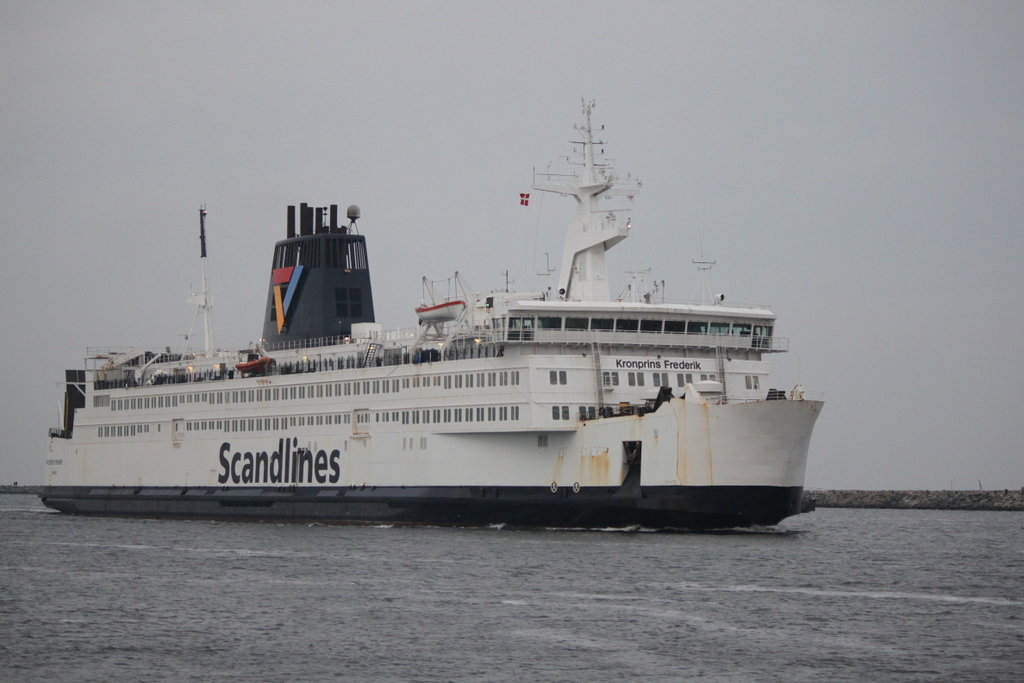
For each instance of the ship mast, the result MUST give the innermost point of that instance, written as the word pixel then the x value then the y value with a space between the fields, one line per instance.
pixel 202 299
pixel 583 275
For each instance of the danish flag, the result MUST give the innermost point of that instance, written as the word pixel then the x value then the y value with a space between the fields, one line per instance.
pixel 524 198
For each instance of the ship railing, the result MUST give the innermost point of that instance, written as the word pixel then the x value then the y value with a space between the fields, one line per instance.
pixel 316 343
pixel 731 304
pixel 398 334
pixel 791 395
pixel 670 339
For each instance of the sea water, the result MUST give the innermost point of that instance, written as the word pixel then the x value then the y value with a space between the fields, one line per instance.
pixel 835 595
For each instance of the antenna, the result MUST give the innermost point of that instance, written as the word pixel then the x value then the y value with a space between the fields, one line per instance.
pixel 703 267
pixel 547 268
pixel 636 290
pixel 201 299
pixel 507 281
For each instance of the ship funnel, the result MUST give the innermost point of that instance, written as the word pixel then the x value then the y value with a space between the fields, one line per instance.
pixel 320 279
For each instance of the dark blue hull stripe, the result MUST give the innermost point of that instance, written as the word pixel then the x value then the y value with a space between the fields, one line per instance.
pixel 658 507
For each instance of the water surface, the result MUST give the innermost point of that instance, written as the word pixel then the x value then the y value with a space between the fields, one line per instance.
pixel 836 595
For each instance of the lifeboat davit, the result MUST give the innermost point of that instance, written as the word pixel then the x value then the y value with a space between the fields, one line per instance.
pixel 449 310
pixel 256 367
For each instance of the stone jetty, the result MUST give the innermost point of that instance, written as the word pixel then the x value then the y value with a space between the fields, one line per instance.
pixel 1012 499
pixel 21 489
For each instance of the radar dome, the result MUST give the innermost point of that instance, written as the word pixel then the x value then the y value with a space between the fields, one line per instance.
pixel 353 213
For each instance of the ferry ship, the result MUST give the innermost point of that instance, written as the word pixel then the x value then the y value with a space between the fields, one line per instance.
pixel 565 408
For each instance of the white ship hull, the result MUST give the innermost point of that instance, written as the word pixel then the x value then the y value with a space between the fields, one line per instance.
pixel 694 457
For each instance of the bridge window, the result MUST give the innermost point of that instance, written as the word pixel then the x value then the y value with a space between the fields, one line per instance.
pixel 601 323
pixel 762 336
pixel 627 325
pixel 741 329
pixel 676 327
pixel 696 327
pixel 719 328
pixel 576 323
pixel 650 326
pixel 520 328
pixel 549 323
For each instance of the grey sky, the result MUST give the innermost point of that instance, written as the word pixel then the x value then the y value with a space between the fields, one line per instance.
pixel 858 166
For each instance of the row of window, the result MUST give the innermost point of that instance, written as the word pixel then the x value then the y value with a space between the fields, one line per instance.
pixel 266 424
pixel 658 379
pixel 562 412
pixel 479 414
pixel 113 431
pixel 523 324
pixel 440 415
pixel 385 386
pixel 481 379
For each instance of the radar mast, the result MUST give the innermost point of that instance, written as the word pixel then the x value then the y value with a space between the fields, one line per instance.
pixel 583 276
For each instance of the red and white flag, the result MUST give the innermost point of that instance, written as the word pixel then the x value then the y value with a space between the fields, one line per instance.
pixel 524 198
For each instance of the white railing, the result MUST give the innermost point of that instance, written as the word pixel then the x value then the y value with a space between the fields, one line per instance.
pixel 613 338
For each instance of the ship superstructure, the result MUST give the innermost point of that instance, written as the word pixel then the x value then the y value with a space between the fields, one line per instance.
pixel 566 408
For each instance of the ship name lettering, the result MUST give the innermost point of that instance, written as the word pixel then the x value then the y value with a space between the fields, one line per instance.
pixel 289 464
pixel 660 364
pixel 682 365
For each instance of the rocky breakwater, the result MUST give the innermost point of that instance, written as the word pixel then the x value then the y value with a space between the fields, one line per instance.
pixel 921 500
pixel 21 489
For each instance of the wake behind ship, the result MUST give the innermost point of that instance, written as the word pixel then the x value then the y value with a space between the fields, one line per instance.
pixel 562 408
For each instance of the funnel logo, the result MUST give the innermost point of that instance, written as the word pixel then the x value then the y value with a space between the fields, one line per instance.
pixel 286 283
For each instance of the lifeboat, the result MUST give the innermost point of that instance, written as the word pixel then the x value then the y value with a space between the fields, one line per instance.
pixel 255 367
pixel 449 310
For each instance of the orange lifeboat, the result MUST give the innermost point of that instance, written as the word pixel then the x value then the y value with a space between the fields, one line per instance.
pixel 256 367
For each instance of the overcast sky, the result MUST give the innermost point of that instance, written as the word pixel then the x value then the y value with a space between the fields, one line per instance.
pixel 857 166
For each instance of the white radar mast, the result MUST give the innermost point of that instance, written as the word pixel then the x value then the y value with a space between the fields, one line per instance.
pixel 583 276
